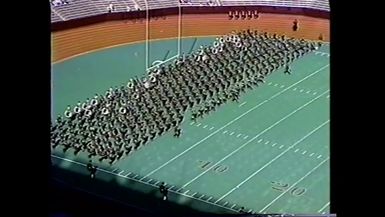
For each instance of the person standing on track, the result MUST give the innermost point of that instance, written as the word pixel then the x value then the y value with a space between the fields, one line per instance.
pixel 163 190
pixel 92 169
pixel 295 25
pixel 242 210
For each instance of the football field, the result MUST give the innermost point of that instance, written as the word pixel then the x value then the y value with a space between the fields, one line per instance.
pixel 268 153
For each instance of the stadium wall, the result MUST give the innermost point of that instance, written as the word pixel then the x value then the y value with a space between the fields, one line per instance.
pixel 76 37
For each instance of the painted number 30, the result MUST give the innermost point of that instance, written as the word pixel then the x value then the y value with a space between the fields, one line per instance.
pixel 296 191
pixel 207 164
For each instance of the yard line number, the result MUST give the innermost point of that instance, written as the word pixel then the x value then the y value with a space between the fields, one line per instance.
pixel 280 186
pixel 204 164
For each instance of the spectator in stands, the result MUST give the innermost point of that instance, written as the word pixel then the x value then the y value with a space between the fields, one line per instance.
pixel 56 2
pixel 59 2
pixel 136 6
pixel 126 15
pixel 210 3
pixel 110 7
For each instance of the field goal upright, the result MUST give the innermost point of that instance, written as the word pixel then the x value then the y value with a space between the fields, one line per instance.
pixel 163 24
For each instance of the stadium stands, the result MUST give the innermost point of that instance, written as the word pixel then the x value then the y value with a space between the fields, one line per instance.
pixel 119 6
pixel 199 3
pixel 313 4
pixel 55 17
pixel 162 4
pixel 84 8
pixel 79 9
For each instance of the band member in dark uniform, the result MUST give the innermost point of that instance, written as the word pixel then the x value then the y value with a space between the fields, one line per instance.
pixel 295 25
pixel 287 69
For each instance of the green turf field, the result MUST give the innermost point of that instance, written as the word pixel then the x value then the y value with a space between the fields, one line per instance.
pixel 268 153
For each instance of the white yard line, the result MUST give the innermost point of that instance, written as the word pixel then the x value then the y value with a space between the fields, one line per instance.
pixel 306 175
pixel 326 205
pixel 272 160
pixel 255 137
pixel 242 104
